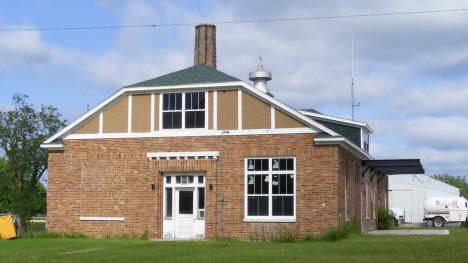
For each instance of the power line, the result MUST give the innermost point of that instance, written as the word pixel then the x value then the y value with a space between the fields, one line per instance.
pixel 266 20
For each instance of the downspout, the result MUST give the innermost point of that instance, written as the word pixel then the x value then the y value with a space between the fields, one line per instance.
pixel 221 200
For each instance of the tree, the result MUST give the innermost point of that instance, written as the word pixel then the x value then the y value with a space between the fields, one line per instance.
pixel 6 184
pixel 22 130
pixel 457 181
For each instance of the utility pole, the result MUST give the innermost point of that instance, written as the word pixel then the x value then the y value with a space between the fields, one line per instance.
pixel 353 103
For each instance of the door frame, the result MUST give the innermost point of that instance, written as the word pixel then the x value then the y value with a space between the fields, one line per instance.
pixel 169 223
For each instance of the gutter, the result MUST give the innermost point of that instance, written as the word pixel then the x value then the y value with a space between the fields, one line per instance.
pixel 57 146
pixel 346 144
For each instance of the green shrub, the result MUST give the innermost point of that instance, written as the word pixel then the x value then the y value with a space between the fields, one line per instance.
pixel 385 219
pixel 343 232
pixel 74 235
pixel 283 237
pixel 144 235
pixel 281 234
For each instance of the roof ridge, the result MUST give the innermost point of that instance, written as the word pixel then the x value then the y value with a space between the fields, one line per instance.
pixel 200 73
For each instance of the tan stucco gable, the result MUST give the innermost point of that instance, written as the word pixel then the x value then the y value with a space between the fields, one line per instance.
pixel 115 118
pixel 256 114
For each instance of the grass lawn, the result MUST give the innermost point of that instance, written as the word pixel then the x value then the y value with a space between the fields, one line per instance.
pixel 452 248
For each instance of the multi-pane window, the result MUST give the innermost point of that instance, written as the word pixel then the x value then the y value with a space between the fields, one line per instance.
pixel 172 111
pixel 183 110
pixel 195 110
pixel 201 202
pixel 270 190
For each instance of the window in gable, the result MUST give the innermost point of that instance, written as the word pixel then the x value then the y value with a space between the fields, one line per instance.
pixel 172 111
pixel 191 115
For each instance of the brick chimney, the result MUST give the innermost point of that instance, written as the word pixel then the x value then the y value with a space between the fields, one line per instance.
pixel 205 45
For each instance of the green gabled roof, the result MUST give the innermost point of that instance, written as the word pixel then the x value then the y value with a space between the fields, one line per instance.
pixel 200 73
pixel 353 134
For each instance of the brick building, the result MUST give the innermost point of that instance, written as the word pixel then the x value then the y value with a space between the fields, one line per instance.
pixel 200 154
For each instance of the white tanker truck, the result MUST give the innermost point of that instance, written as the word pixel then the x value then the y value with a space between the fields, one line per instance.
pixel 442 210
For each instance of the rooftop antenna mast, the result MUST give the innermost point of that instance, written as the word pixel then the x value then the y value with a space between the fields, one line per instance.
pixel 353 103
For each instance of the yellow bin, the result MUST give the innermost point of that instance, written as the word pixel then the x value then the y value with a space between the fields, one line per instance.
pixel 7 228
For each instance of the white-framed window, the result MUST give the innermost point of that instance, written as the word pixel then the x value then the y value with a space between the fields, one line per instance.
pixel 184 110
pixel 270 189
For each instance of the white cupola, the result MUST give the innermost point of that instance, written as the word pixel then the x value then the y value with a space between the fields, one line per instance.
pixel 260 78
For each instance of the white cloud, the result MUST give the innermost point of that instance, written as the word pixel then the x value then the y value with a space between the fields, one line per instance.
pixel 131 59
pixel 442 99
pixel 437 132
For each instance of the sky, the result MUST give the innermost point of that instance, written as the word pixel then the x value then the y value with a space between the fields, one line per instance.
pixel 410 71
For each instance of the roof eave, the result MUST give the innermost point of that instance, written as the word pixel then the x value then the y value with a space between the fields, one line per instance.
pixel 125 90
pixel 346 144
pixel 357 124
pixel 293 113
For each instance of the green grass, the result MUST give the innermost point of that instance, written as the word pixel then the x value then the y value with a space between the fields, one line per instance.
pixel 35 228
pixel 452 248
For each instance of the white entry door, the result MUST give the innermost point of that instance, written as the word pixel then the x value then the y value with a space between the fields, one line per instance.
pixel 185 213
pixel 184 206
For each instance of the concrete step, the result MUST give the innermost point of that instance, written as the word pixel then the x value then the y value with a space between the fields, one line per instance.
pixel 417 232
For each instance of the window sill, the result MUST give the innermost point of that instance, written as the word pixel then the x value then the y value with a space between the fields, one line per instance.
pixel 183 129
pixel 271 220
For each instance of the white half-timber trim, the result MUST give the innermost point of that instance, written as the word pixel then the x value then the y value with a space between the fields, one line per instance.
pixel 101 122
pixel 345 143
pixel 152 112
pixel 160 110
pixel 272 117
pixel 270 220
pixel 207 109
pixel 182 155
pixel 204 86
pixel 215 110
pixel 188 133
pixel 94 218
pixel 239 109
pixel 130 113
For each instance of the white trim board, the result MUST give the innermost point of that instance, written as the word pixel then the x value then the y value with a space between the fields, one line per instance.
pixel 188 133
pixel 95 218
pixel 202 86
pixel 129 118
pixel 183 155
pixel 345 143
pixel 239 109
pixel 152 112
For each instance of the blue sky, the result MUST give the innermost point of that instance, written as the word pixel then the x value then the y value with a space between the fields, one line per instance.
pixel 411 71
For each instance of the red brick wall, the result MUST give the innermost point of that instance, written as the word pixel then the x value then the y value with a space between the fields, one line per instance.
pixel 350 166
pixel 113 177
